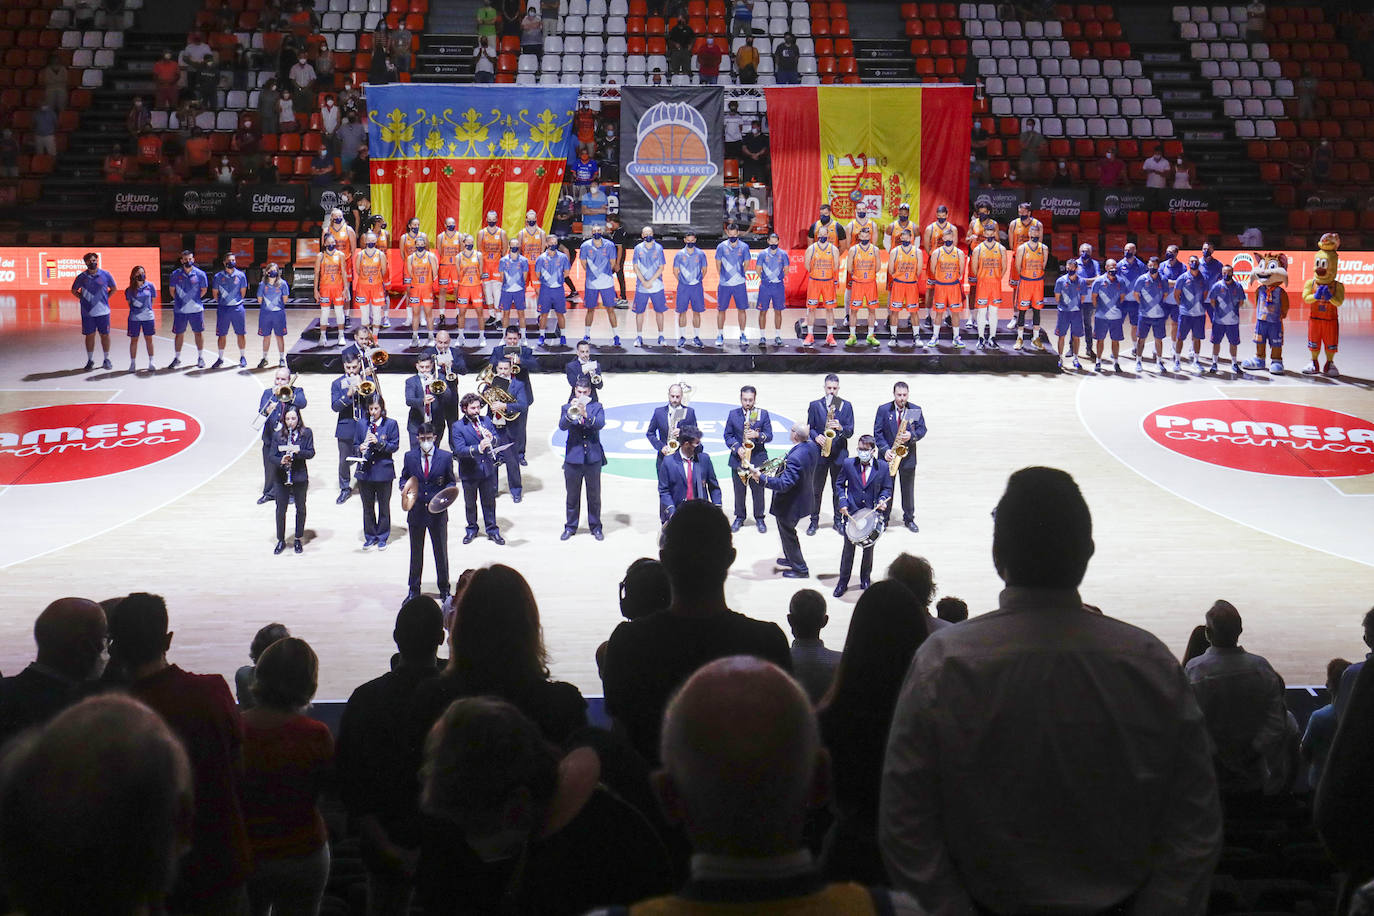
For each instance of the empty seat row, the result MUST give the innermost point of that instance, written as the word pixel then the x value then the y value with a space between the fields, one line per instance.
pixel 1253 108
pixel 638 79
pixel 1209 31
pixel 1257 88
pixel 1050 65
pixel 1244 69
pixel 1068 106
pixel 93 39
pixel 1055 126
pixel 1215 14
pixel 354 6
pixel 977 28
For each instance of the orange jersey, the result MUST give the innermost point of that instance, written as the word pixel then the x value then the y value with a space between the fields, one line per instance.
pixel 989 263
pixel 1030 261
pixel 383 239
pixel 469 270
pixel 935 234
pixel 896 227
pixel 906 265
pixel 975 229
pixel 863 264
pixel 1018 233
pixel 447 247
pixel 531 243
pixel 824 262
pixel 329 270
pixel 853 231
pixel 408 243
pixel 371 267
pixel 421 269
pixel 492 246
pixel 947 266
pixel 342 238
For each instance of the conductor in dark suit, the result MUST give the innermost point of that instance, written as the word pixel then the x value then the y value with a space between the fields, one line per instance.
pixel 885 426
pixel 581 365
pixel 792 499
pixel 583 459
pixel 376 439
pixel 521 358
pixel 829 466
pixel 686 474
pixel 738 430
pixel 865 483
pixel 476 440
pixel 432 467
pixel 660 424
pixel 345 402
pixel 292 445
pixel 425 406
pixel 270 407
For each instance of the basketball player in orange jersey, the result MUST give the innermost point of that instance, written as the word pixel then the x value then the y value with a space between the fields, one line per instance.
pixel 421 276
pixel 331 287
pixel 1028 285
pixel 531 239
pixel 822 270
pixel 892 235
pixel 447 247
pixel 344 237
pixel 905 279
pixel 492 244
pixel 369 282
pixel 861 272
pixel 1019 229
pixel 988 265
pixel 946 267
pixel 933 236
pixel 469 287
pixel 408 242
pixel 982 213
pixel 379 230
pixel 856 225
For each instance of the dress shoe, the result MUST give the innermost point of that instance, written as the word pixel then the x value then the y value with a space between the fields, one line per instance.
pixel 567 533
pixel 297 546
pixel 469 537
pixel 737 524
pixel 523 462
pixel 761 525
pixel 598 535
pixel 840 590
pixel 281 545
pixel 495 538
pixel 783 561
pixel 411 596
pixel 343 497
pixel 790 573
pixel 913 527
pixel 264 498
pixel 811 528
pixel 516 497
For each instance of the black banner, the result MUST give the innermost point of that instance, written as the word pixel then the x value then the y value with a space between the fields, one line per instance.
pixel 1003 201
pixel 672 157
pixel 137 200
pixel 1065 202
pixel 206 200
pixel 272 201
pixel 1116 203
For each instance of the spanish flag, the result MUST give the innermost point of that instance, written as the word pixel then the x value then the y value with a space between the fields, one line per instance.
pixel 440 151
pixel 878 146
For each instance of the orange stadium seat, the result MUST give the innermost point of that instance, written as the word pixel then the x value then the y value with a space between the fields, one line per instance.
pixel 914 28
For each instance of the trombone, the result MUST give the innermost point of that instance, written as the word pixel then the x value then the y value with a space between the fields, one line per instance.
pixel 286 394
pixel 377 357
pixel 437 387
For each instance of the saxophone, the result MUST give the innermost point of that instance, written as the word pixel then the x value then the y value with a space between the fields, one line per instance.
pixel 899 450
pixel 829 433
pixel 746 465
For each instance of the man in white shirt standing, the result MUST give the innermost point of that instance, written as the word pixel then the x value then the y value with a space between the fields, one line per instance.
pixel 1046 758
pixel 1157 170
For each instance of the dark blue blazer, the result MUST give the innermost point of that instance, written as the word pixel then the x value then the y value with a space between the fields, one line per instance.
pixel 440 476
pixel 474 465
pixel 794 487
pixel 815 421
pixel 885 430
pixel 381 467
pixel 659 429
pixel 672 481
pixel 459 363
pixel 734 437
pixel 574 369
pixel 523 373
pixel 415 400
pixel 343 405
pixel 273 420
pixel 584 436
pixel 298 470
pixel 854 495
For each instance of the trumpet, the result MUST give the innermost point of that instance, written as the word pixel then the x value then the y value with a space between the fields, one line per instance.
pixel 592 371
pixel 577 410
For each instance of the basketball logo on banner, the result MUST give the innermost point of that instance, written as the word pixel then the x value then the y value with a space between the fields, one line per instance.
pixel 672 161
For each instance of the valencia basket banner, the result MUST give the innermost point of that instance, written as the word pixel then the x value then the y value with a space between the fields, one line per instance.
pixel 876 145
pixel 672 150
pixel 437 151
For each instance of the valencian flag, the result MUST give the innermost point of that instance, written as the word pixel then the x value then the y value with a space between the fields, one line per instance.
pixel 439 151
pixel 879 145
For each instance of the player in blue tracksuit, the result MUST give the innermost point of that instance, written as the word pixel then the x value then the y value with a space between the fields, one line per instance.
pixel 1109 314
pixel 1152 294
pixel 230 288
pixel 552 268
pixel 1224 301
pixel 689 267
pixel 1068 307
pixel 649 262
pixel 1171 268
pixel 732 257
pixel 772 264
pixel 272 293
pixel 189 285
pixel 1129 268
pixel 1089 269
pixel 515 273
pixel 93 287
pixel 1190 291
pixel 141 297
pixel 598 260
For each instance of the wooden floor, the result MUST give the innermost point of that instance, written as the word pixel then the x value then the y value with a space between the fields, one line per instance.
pixel 188 528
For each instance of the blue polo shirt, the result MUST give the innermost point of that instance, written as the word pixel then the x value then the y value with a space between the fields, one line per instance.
pixel 94 292
pixel 731 257
pixel 1068 293
pixel 690 265
pixel 552 267
pixel 186 290
pixel 1153 293
pixel 271 297
pixel 230 288
pixel 1227 298
pixel 515 270
pixel 649 257
pixel 141 302
pixel 772 263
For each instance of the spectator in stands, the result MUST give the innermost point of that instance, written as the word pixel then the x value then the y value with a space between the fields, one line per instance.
pixel 512 12
pixel 9 154
pixel 70 633
pixel 93 812
pixel 286 113
pixel 401 41
pixel 197 154
pixel 487 18
pixel 594 203
pixel 1197 644
pixel 1348 678
pixel 1062 177
pixel 980 812
pixel 585 171
pixel 742 19
pixel 532 32
pixel 978 140
pixel 352 135
pixel 324 65
pixel 1157 170
pixel 643 591
pixel 302 77
pixel 329 119
pixel 1321 725
pixel 1185 175
pixel 951 609
pixel 1012 180
pixel 1254 20
pixel 813 665
pixel 656 77
pixel 977 174
pixel 45 131
pixel 1322 157
pixel 584 124
pixel 204 79
pixel 747 63
pixel 648 658
pixel 680 41
pixel 918 576
pixel 733 130
pixel 549 11
pixel 360 162
pixel 484 61
pixel 375 784
pixel 756 166
pixel 243 677
pixel 247 143
pixel 608 147
pixel 709 57
pixel 1307 93
pixel 383 69
pixel 269 120
pixel 149 151
pixel 1032 145
pixel 517 825
pixel 201 712
pixel 286 758
pixel 786 58
pixel 322 168
pixel 53 79
pixel 195 50
pixel 1253 736
pixel 138 117
pixel 83 14
pixel 116 165
pixel 1344 806
pixel 1111 171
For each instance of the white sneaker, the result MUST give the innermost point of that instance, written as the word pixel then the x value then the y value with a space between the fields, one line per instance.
pixel 1139 367
pixel 133 365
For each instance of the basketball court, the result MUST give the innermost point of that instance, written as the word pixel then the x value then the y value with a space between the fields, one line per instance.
pixel 1260 491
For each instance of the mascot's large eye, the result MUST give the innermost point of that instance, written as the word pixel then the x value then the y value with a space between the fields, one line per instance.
pixel 1271 263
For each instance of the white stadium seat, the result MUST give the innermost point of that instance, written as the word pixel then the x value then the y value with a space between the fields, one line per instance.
pixel 1066 106
pixel 593 44
pixel 1001 107
pixel 572 44
pixel 596 7
pixel 553 44
pixel 526 79
pixel 1130 108
pixel 1049 67
pixel 1108 108
pixel 1059 87
pixel 1044 105
pixel 1076 127
pixel 1026 66
pixel 593 25
pixel 1090 67
pixel 1034 29
pixel 1087 107
pixel 1011 29
pixel 1035 85
pixel 572 25
pixel 979 48
pixel 577 7
pixel 82 58
pixel 992 29
pixel 615 63
pixel 527 63
pixel 1052 127
pixel 1181 14
pixel 1266 129
pixel 973 29
pixel 1189 31
pixel 615 44
pixel 1016 86
pixel 1233 108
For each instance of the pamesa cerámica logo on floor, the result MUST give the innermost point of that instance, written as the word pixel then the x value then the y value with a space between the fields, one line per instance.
pixel 629 454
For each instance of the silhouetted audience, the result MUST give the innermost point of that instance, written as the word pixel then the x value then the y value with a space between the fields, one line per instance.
pixel 813 665
pixel 1353 672
pixel 70 634
pixel 243 677
pixel 1321 726
pixel 919 578
pixel 951 609
pixel 1344 806
pixel 643 591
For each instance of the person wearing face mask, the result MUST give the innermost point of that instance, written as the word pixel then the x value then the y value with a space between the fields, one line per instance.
pixel 421 272
pixel 407 243
pixel 92 287
pixel 1190 290
pixel 331 290
pixel 648 261
pixel 888 433
pixel 141 297
pixel 864 484
pixel 905 288
pixel 1019 229
pixel 376 438
pixel 432 469
pixel 224 172
pixel 732 257
pixel 1089 269
pixel 689 267
pixel 1209 266
pixel 822 271
pixel 531 239
pixel 230 289
pixel 468 295
pixel 1108 296
pixel 828 223
pixel 552 268
pixel 345 239
pixel 272 293
pixel 291 447
pixel 688 474
pixel 772 264
pixel 1225 299
pixel 189 285
pixel 447 247
pixel 947 268
pixel 1068 307
pixel 982 214
pixel 1152 293
pixel 861 284
pixel 1028 285
pixel 1172 270
pixel 892 234
pixel 1183 175
pixel 272 408
pixel 492 243
pixel 989 265
pixel 515 272
pixel 369 282
pixel 598 261
pixel 1130 269
pixel 861 221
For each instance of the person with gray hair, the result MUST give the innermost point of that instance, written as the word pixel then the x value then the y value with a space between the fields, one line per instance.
pixel 95 811
pixel 70 634
pixel 793 496
pixel 1043 758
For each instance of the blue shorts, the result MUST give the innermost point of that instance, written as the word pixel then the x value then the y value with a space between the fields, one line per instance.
pixel 642 300
pixel 271 322
pixel 691 296
pixel 1173 312
pixel 1070 323
pixel 512 300
pixel 774 294
pixel 1155 326
pixel 180 321
pixel 98 324
pixel 552 297
pixel 1104 326
pixel 147 328
pixel 1132 311
pixel 1227 332
pixel 727 294
pixel 1196 325
pixel 590 297
pixel 1270 332
pixel 224 318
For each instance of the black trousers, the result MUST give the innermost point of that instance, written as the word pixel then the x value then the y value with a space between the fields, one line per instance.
pixel 574 476
pixel 906 484
pixel 791 544
pixel 485 490
pixel 847 562
pixel 281 491
pixel 420 520
pixel 755 490
pixel 823 470
pixel 376 496
pixel 345 469
pixel 515 481
pixel 270 464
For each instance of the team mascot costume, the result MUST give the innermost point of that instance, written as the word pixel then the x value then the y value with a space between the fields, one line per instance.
pixel 1324 294
pixel 1271 307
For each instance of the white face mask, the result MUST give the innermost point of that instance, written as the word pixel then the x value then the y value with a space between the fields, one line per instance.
pixel 427 447
pixel 865 457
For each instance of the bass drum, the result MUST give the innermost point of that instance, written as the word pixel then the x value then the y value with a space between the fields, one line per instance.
pixel 863 527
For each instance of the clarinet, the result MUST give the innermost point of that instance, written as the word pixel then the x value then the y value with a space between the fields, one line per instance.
pixel 290 441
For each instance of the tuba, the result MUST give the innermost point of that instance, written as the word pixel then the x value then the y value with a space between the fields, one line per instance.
pixel 495 397
pixel 829 433
pixel 899 451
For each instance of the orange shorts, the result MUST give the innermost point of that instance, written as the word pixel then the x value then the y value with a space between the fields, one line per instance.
pixel 1323 332
pixel 863 292
pixel 420 295
pixel 988 293
pixel 820 291
pixel 1030 294
pixel 904 295
pixel 448 275
pixel 331 294
pixel 470 294
pixel 947 296
pixel 364 294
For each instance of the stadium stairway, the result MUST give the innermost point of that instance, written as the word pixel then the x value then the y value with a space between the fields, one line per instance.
pixel 453 17
pixel 874 20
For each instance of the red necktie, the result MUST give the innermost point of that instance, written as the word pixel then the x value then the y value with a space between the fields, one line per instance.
pixel 863 476
pixel 426 467
pixel 687 463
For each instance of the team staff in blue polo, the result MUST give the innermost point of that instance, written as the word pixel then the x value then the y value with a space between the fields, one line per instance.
pixel 772 264
pixel 230 289
pixel 189 285
pixel 732 257
pixel 272 293
pixel 141 297
pixel 93 287
pixel 649 261
pixel 689 267
pixel 552 269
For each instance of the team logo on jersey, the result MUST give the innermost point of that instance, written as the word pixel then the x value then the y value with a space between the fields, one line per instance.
pixel 630 454
pixel 67 442
pixel 672 159
pixel 1266 437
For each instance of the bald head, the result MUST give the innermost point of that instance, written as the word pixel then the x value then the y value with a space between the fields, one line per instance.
pixel 70 634
pixel 742 759
pixel 800 433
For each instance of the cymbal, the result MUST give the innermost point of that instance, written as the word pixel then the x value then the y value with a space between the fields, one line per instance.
pixel 443 499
